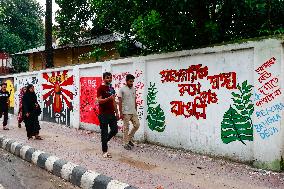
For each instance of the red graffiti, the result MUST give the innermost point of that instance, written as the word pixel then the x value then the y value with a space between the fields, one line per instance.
pixel 270 97
pixel 89 108
pixel 190 89
pixel 191 74
pixel 268 87
pixel 56 83
pixel 227 80
pixel 208 97
pixel 267 64
pixel 202 99
pixel 189 109
pixel 264 76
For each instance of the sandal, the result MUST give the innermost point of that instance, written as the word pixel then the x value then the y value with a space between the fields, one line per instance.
pixel 107 155
pixel 38 138
pixel 5 128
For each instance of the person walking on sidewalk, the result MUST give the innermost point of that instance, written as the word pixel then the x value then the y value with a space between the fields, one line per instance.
pixel 128 111
pixel 31 111
pixel 20 113
pixel 108 114
pixel 4 104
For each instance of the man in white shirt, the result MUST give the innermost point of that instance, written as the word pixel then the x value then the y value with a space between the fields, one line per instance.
pixel 128 111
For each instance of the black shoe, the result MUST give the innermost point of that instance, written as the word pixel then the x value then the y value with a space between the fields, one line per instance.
pixel 127 147
pixel 131 143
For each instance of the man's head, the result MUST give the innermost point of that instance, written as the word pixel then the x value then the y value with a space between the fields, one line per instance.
pixel 129 80
pixel 4 87
pixel 107 77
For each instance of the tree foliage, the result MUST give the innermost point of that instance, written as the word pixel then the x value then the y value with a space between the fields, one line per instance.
pixel 168 25
pixel 21 27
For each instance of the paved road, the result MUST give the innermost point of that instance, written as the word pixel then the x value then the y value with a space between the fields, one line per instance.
pixel 18 174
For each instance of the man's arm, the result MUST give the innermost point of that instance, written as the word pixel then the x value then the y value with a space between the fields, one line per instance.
pixel 8 101
pixel 102 101
pixel 115 108
pixel 135 103
pixel 120 107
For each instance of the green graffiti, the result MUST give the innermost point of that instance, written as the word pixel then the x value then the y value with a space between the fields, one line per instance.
pixel 156 116
pixel 237 124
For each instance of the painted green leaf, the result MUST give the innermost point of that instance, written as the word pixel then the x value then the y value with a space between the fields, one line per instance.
pixel 230 131
pixel 244 84
pixel 237 124
pixel 240 107
pixel 156 116
pixel 251 111
pixel 236 95
pixel 239 87
pixel 237 101
pixel 246 97
pixel 250 106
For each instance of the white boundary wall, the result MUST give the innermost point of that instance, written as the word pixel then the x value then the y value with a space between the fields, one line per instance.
pixel 178 118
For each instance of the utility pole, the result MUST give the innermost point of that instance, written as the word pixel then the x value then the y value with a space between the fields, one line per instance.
pixel 48 35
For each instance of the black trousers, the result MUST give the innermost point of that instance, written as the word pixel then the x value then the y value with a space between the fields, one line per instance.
pixel 107 120
pixel 5 120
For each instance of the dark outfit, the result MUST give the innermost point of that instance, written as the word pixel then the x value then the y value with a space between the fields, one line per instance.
pixel 107 116
pixel 4 97
pixel 29 106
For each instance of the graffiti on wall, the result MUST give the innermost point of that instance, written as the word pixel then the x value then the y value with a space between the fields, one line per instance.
pixel 21 82
pixel 24 81
pixel 155 114
pixel 119 81
pixel 193 88
pixel 267 93
pixel 58 96
pixel 11 90
pixel 237 123
pixel 269 84
pixel 89 108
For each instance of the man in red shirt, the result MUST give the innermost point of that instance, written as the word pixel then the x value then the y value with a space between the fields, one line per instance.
pixel 108 115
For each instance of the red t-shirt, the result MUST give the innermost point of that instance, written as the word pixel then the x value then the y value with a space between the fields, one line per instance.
pixel 106 91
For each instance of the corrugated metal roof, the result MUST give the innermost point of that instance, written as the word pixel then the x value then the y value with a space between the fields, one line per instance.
pixel 87 41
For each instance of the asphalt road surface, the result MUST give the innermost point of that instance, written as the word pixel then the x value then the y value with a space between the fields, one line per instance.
pixel 16 173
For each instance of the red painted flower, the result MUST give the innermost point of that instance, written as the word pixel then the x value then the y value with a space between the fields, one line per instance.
pixel 56 83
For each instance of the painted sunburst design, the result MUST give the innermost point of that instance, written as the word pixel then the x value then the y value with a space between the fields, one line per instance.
pixel 56 87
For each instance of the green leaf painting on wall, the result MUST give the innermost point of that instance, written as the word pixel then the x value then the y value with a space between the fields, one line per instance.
pixel 156 115
pixel 237 123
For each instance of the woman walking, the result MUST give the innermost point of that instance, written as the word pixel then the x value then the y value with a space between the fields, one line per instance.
pixel 20 114
pixel 31 111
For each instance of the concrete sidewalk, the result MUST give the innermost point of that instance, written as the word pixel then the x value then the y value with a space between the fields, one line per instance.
pixel 146 166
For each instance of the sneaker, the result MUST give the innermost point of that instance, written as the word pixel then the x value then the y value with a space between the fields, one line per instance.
pixel 131 143
pixel 127 147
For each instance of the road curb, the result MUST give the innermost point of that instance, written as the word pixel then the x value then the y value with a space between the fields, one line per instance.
pixel 77 175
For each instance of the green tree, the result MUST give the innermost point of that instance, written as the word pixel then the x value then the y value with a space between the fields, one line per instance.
pixel 21 28
pixel 169 25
